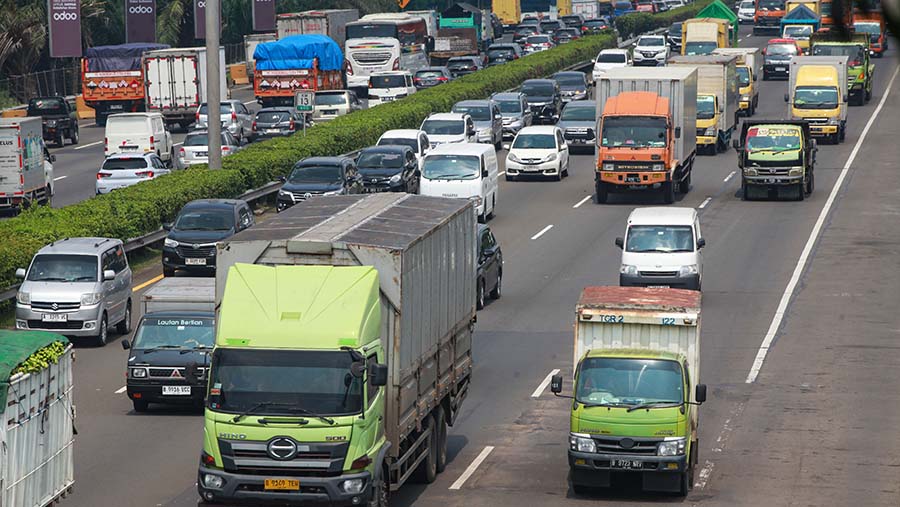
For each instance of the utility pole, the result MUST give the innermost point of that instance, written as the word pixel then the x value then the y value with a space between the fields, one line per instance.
pixel 213 91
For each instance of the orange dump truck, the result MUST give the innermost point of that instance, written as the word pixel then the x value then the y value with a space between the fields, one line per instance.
pixel 647 130
pixel 112 78
pixel 297 62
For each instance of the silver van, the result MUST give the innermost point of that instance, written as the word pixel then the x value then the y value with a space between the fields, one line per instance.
pixel 76 287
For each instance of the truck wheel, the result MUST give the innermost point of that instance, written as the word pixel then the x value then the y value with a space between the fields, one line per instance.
pixel 811 183
pixel 140 405
pixel 74 136
pixel 745 191
pixel 48 195
pixel 668 191
pixel 868 94
pixel 801 191
pixel 685 185
pixel 685 483
pixel 602 193
pixel 426 472
pixel 441 420
pixel 381 491
pixel 60 140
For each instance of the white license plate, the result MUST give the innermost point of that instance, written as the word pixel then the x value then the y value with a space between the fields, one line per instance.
pixel 176 390
pixel 272 131
pixel 387 99
pixel 128 148
pixel 201 154
pixel 626 464
pixel 54 317
pixel 780 69
pixel 195 262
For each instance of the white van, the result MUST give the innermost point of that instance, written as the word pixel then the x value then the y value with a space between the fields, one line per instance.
pixel 390 86
pixel 662 249
pixel 466 170
pixel 444 128
pixel 139 133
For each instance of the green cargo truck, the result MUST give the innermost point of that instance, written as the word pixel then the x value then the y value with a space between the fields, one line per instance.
pixel 343 350
pixel 637 367
pixel 860 69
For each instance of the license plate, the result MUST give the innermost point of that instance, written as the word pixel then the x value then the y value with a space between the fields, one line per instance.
pixel 195 262
pixel 387 99
pixel 54 317
pixel 202 154
pixel 626 464
pixel 282 484
pixel 115 107
pixel 329 111
pixel 176 390
pixel 657 286
pixel 128 148
pixel 273 131
pixel 632 178
pixel 780 69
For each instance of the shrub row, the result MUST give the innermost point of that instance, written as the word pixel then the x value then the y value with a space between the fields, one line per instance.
pixel 637 23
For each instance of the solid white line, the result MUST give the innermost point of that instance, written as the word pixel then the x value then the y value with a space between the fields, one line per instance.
pixel 121 390
pixel 501 173
pixel 59 178
pixel 729 177
pixel 813 237
pixel 472 467
pixel 582 201
pixel 83 146
pixel 704 203
pixel 542 231
pixel 544 383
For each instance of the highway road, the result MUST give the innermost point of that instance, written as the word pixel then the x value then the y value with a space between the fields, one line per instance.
pixel 804 416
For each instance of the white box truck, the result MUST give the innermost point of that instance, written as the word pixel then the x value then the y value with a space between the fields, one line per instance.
pixel 330 22
pixel 180 294
pixel 175 82
pixel 590 9
pixel 26 174
pixel 718 98
pixel 750 59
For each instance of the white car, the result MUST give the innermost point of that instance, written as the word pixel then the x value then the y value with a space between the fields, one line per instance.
pixel 651 50
pixel 121 170
pixel 662 248
pixel 610 59
pixel 415 139
pixel 389 86
pixel 539 150
pixel 444 128
pixel 463 171
pixel 746 11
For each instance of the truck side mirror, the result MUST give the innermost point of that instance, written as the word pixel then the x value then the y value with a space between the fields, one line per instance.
pixel 701 243
pixel 736 144
pixel 484 173
pixel 379 373
pixel 787 97
pixel 556 383
pixel 846 98
pixel 677 132
pixel 126 344
pixel 620 243
pixel 20 273
pixel 192 373
pixel 700 393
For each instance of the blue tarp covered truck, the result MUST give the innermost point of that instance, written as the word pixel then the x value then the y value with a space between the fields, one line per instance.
pixel 298 62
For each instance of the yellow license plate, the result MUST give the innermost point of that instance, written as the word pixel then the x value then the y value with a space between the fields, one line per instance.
pixel 282 484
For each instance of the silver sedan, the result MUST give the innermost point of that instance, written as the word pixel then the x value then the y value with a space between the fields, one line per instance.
pixel 195 148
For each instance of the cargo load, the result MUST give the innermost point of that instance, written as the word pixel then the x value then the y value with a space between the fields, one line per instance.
pixel 298 62
pixel 112 78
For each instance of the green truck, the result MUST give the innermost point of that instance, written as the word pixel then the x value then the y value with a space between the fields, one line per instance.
pixel 343 350
pixel 776 154
pixel 636 396
pixel 860 69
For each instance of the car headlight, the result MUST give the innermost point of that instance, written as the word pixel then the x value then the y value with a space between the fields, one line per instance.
pixel 674 447
pixel 658 167
pixel 352 486
pixel 690 269
pixel 628 269
pixel 550 158
pixel 395 178
pixel 23 298
pixel 582 443
pixel 282 193
pixel 91 298
pixel 710 131
pixel 513 158
pixel 139 373
pixel 484 131
pixel 333 192
pixel 171 243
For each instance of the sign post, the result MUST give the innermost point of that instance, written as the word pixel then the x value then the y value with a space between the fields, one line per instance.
pixel 304 100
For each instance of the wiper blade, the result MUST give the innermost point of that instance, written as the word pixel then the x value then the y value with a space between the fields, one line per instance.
pixel 323 418
pixel 290 408
pixel 651 404
pixel 163 347
pixel 610 404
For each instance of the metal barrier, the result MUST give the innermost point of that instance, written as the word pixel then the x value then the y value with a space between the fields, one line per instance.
pixel 19 89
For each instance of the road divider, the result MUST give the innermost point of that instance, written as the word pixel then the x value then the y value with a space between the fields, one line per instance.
pixel 472 467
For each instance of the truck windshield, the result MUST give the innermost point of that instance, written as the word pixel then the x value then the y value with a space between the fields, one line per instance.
pixel 63 268
pixel 175 333
pixel 659 238
pixel 451 167
pixel 743 75
pixel 706 107
pixel 772 140
pixel 629 381
pixel 363 31
pixel 316 381
pixel 634 132
pixel 700 48
pixel 771 5
pixel 856 53
pixel 815 97
pixel 799 32
pixel 869 28
pixel 611 58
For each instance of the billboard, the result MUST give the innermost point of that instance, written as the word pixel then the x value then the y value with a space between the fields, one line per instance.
pixel 64 18
pixel 199 19
pixel 263 15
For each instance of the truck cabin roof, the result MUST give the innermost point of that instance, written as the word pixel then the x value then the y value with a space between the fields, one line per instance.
pixel 636 104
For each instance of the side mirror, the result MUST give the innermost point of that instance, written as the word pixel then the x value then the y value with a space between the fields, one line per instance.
pixel 677 132
pixel 379 374
pixel 736 144
pixel 20 273
pixel 282 179
pixel 192 373
pixel 109 275
pixel 700 393
pixel 666 33
pixel 846 98
pixel 484 173
pixel 701 243
pixel 593 60
pixel 556 384
pixel 126 344
pixel 620 242
pixel 52 158
pixel 168 226
pixel 787 97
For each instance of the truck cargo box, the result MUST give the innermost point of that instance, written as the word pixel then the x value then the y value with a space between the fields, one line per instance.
pixel 175 82
pixel 22 172
pixel 180 294
pixel 716 74
pixel 328 22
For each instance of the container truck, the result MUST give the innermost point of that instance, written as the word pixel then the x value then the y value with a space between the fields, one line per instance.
pixel 768 16
pixel 24 178
pixel 509 12
pixel 775 154
pixel 589 9
pixel 861 69
pixel 637 388
pixel 465 16
pixel 717 99
pixel 175 83
pixel 37 467
pixel 817 93
pixel 112 78
pixel 250 42
pixel 701 36
pixel 749 68
pixel 188 294
pixel 298 62
pixel 648 130
pixel 343 350
pixel 328 22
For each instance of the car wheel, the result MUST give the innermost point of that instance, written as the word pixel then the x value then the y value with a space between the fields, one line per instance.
pixel 565 172
pixel 559 174
pixel 168 272
pixel 745 191
pixel 103 331
pixel 498 290
pixel 60 140
pixel 75 136
pixel 510 178
pixel 124 327
pixel 140 405
pixel 479 300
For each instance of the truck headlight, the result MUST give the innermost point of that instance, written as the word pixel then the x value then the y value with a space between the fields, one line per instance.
pixel 581 443
pixel 658 167
pixel 628 269
pixel 352 486
pixel 23 298
pixel 608 166
pixel 750 172
pixel 51 123
pixel 745 97
pixel 710 131
pixel 211 481
pixel 91 298
pixel 834 120
pixel 139 373
pixel 674 447
pixel 690 269
pixel 795 171
pixel 171 243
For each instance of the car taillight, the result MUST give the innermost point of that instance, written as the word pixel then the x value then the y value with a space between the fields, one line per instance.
pixel 233 116
pixel 443 79
pixel 225 149
pixel 100 176
pixel 181 152
pixel 144 174
pixel 151 141
pixel 291 125
pixel 253 125
pixel 417 79
pixel 396 64
pixel 197 116
pixel 105 144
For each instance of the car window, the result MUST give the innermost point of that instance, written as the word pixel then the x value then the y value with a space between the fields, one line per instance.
pixel 560 142
pixel 106 260
pixel 120 260
pixel 246 217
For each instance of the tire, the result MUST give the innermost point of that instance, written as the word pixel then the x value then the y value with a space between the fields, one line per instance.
pixel 510 178
pixel 426 472
pixel 601 192
pixel 479 296
pixel 140 405
pixel 48 195
pixel 685 185
pixel 685 483
pixel 168 272
pixel 843 133
pixel 75 136
pixel 124 327
pixel 811 183
pixel 103 331
pixel 868 94
pixel 565 172
pixel 498 290
pixel 580 490
pixel 559 175
pixel 441 426
pixel 801 191
pixel 745 191
pixel 668 191
pixel 60 140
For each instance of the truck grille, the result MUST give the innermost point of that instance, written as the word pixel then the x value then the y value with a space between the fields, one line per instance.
pixel 40 305
pixel 318 459
pixel 168 372
pixel 816 120
pixel 198 251
pixel 302 196
pixel 373 58
pixel 773 171
pixel 617 445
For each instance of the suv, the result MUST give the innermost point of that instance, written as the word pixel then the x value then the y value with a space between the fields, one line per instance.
pixel 121 170
pixel 76 287
pixel 333 103
pixel 235 117
pixel 464 65
pixel 486 116
pixel 514 110
pixel 431 76
pixel 544 99
pixel 388 86
pixel 651 50
pixel 191 241
pixel 389 168
pixel 58 119
pixel 316 177
pixel 490 267
pixel 502 53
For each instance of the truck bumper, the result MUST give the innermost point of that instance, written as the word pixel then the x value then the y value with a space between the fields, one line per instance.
pixel 771 180
pixel 823 130
pixel 151 391
pixel 250 489
pixel 707 140
pixel 691 282
pixel 633 180
pixel 659 473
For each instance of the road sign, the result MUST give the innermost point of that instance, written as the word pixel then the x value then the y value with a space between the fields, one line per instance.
pixel 304 100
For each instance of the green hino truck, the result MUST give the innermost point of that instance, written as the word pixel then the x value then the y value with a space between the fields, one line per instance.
pixel 636 396
pixel 343 350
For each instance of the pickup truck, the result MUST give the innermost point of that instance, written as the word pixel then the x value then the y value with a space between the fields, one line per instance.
pixel 58 119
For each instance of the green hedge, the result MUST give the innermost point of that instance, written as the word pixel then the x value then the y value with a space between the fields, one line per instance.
pixel 631 25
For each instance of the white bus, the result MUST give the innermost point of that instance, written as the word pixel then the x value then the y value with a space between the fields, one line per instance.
pixel 383 42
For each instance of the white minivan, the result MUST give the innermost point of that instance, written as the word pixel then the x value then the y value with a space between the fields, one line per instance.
pixel 662 248
pixel 389 86
pixel 139 133
pixel 445 128
pixel 467 171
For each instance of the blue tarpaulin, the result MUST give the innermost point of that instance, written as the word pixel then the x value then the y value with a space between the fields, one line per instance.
pixel 800 15
pixel 298 52
pixel 121 57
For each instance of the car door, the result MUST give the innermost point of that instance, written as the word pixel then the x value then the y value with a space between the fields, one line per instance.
pixel 697 236
pixel 123 278
pixel 245 117
pixel 411 173
pixel 527 116
pixel 159 166
pixel 110 295
pixel 563 149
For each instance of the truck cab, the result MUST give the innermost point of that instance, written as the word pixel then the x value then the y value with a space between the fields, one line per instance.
pixel 768 15
pixel 860 69
pixel 774 155
pixel 817 94
pixel 872 24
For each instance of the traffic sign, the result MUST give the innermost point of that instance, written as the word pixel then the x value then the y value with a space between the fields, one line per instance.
pixel 304 100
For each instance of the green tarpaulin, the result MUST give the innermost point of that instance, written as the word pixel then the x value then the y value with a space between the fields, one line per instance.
pixel 17 346
pixel 719 10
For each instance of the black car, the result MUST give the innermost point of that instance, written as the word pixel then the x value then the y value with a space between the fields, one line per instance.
pixel 463 65
pixel 275 122
pixel 777 58
pixel 502 53
pixel 389 168
pixel 191 242
pixel 490 267
pixel 551 25
pixel 564 35
pixel 57 117
pixel 319 176
pixel 524 32
pixel 575 21
pixel 573 85
pixel 593 26
pixel 544 99
pixel 431 76
pixel 673 37
pixel 169 358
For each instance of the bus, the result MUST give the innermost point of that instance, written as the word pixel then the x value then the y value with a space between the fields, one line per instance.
pixel 380 42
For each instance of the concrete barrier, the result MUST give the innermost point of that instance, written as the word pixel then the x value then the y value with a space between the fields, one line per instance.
pixel 82 110
pixel 13 113
pixel 238 73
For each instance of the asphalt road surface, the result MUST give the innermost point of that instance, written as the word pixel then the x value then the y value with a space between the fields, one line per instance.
pixel 813 428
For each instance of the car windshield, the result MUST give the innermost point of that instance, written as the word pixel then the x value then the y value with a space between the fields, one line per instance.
pixel 706 107
pixel 611 58
pixel 40 107
pixel 535 142
pixel 579 113
pixel 501 53
pixel 175 332
pixel 457 64
pixel 699 48
pixel 815 97
pixel 771 5
pixel 781 50
pixel 651 41
pixel 63 268
pixel 537 89
pixel 855 52
pixel 748 5
pixel 773 139
pixel 429 74
pixel 659 238
pixel 118 164
pixel 399 141
pixel 548 26
pixel 284 382
pixel 634 132
pixel 202 140
pixel 451 167
pixel 205 220
pixel 538 39
pixel 523 32
pixel 571 20
pixel 380 160
pixel 443 127
pixel 330 99
pixel 275 116
pixel 570 79
pixel 743 75
pixel 391 81
pixel 316 174
pixel 510 106
pixel 797 31
pixel 477 113
pixel 629 381
pixel 223 109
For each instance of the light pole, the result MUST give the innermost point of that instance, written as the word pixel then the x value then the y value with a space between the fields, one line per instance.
pixel 213 90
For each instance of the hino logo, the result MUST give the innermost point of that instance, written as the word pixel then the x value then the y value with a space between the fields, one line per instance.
pixel 282 448
pixel 233 436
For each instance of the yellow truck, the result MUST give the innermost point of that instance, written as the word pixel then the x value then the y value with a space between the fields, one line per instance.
pixel 717 99
pixel 748 69
pixel 509 12
pixel 701 36
pixel 818 95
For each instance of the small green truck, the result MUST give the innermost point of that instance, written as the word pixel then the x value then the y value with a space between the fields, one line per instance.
pixel 776 154
pixel 860 69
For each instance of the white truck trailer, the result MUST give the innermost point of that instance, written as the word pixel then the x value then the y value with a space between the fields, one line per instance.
pixel 175 82
pixel 26 175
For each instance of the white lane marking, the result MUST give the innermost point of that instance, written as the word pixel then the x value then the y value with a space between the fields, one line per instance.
pixel 730 175
pixel 719 446
pixel 704 203
pixel 544 383
pixel 121 390
pixel 542 231
pixel 83 146
pixel 703 476
pixel 472 467
pixel 501 173
pixel 59 178
pixel 582 201
pixel 813 237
